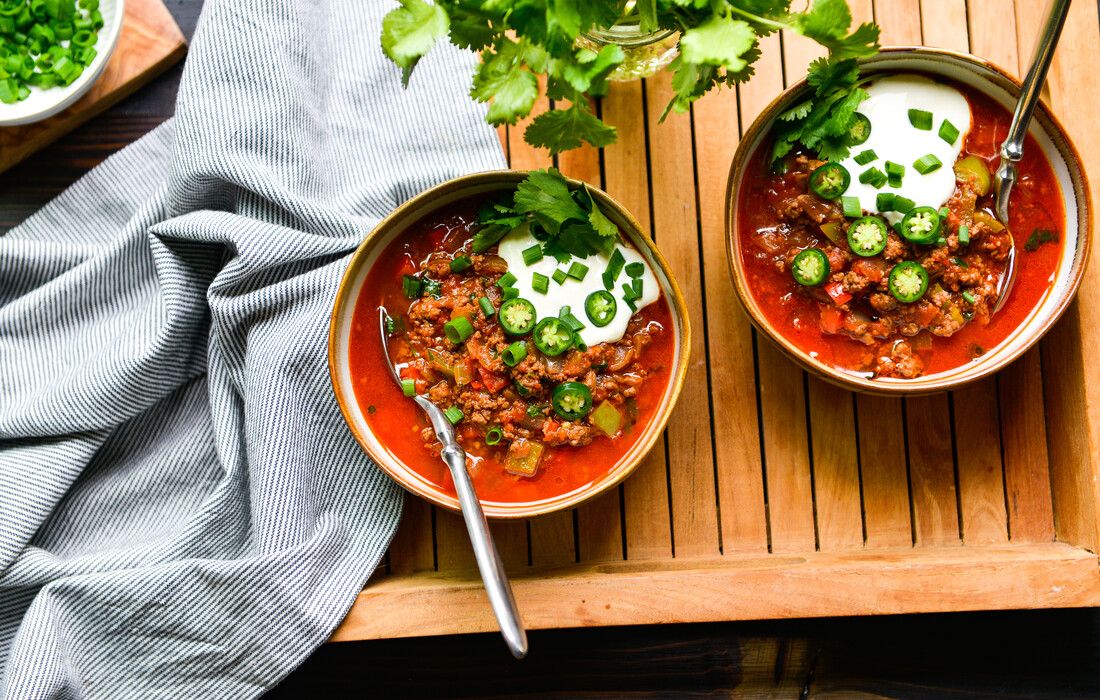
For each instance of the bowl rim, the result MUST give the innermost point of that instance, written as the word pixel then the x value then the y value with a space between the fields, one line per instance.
pixel 68 97
pixel 619 471
pixel 932 384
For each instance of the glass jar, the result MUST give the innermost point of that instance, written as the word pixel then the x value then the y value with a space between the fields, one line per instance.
pixel 646 52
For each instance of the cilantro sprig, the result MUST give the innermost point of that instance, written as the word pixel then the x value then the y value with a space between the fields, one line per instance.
pixel 520 40
pixel 568 222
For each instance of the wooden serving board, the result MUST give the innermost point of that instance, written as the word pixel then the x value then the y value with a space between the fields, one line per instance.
pixel 149 43
pixel 774 494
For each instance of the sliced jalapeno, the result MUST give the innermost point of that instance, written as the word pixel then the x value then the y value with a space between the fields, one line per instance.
pixel 921 225
pixel 860 130
pixel 810 267
pixel 867 236
pixel 517 316
pixel 830 180
pixel 552 336
pixel 600 307
pixel 908 281
pixel 571 400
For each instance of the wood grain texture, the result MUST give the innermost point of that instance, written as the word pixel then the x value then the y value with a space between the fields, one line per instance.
pixel 747 587
pixel 729 340
pixel 626 175
pixel 676 230
pixel 149 42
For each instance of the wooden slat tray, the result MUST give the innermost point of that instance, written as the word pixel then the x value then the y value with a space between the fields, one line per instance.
pixel 772 493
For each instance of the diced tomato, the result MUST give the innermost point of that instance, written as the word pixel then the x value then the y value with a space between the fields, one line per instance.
pixel 493 382
pixel 836 292
pixel 868 269
pixel 832 320
pixel 926 313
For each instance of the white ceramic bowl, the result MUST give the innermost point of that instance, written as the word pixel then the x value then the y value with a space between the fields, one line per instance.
pixel 1068 167
pixel 46 103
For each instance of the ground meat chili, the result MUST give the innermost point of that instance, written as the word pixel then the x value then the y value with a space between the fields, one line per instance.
pixel 855 320
pixel 511 394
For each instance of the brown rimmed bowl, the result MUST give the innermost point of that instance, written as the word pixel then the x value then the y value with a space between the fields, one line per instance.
pixel 436 200
pixel 986 78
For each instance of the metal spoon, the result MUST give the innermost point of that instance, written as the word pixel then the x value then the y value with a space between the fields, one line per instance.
pixel 1012 150
pixel 485 550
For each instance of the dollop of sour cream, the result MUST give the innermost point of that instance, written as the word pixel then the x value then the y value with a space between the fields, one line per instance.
pixel 894 138
pixel 572 292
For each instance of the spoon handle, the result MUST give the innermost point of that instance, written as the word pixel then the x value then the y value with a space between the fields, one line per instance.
pixel 485 551
pixel 1013 147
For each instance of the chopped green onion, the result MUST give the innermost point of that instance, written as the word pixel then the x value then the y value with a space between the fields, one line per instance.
pixel 637 286
pixel 506 280
pixel 941 241
pixel 873 177
pixel 453 414
pixel 560 276
pixel 969 297
pixel 635 269
pixel 408 387
pixel 486 306
pixel 949 132
pixel 514 353
pixel 896 169
pixel 411 286
pixel 458 329
pixel 566 315
pixel 920 119
pixel 509 293
pixel 628 293
pixel 964 235
pixel 540 283
pixel 884 201
pixel 865 157
pixel 532 255
pixel 461 264
pixel 960 262
pixel 851 207
pixel 614 267
pixel 944 211
pixel 535 410
pixel 903 204
pixel 577 270
pixel 927 164
pixel 494 435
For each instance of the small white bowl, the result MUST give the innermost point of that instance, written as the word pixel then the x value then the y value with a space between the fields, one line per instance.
pixel 46 103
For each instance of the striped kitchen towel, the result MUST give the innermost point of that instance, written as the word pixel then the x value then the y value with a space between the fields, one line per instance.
pixel 183 513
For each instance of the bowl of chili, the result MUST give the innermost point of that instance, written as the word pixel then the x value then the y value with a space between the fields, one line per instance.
pixel 554 398
pixel 879 273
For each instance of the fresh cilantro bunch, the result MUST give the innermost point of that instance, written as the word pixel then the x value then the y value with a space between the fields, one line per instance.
pixel 569 223
pixel 719 41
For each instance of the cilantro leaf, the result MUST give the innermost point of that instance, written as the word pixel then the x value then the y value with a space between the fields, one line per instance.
pixel 590 66
pixel 719 41
pixel 600 223
pixel 545 194
pixel 410 31
pixel 799 111
pixel 562 129
pixel 502 79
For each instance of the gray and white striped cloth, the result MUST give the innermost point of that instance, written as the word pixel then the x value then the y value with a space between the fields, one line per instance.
pixel 183 513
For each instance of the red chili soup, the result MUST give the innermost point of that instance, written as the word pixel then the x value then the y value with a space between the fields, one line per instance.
pixel 871 310
pixel 497 395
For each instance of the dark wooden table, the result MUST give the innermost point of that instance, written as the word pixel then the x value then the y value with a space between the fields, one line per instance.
pixel 1049 654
